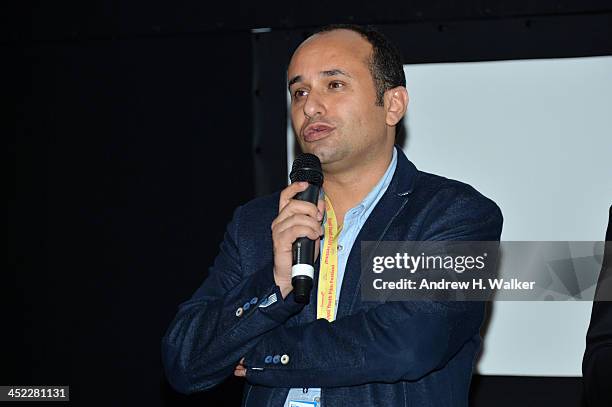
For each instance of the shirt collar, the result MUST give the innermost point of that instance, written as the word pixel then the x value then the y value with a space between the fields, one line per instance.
pixel 367 204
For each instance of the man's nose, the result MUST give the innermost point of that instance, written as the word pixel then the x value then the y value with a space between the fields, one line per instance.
pixel 314 105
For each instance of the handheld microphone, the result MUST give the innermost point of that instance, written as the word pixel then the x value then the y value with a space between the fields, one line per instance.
pixel 306 167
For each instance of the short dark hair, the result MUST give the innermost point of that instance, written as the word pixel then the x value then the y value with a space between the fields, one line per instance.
pixel 386 62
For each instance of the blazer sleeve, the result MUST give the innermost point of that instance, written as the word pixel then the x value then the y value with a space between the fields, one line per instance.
pixel 223 320
pixel 390 342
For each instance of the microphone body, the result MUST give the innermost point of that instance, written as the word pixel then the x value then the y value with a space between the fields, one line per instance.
pixel 306 167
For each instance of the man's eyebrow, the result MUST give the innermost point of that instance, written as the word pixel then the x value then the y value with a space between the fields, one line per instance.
pixel 335 72
pixel 331 72
pixel 295 79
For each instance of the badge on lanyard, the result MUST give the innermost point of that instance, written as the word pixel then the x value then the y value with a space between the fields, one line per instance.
pixel 301 403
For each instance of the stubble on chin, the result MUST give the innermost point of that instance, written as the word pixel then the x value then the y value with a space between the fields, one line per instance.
pixel 330 154
pixel 328 150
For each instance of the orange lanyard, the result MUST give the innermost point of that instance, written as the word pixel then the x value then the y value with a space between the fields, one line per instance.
pixel 328 271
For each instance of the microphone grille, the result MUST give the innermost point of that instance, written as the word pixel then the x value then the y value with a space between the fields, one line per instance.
pixel 307 167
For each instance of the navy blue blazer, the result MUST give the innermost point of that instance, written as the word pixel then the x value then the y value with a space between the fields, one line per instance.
pixel 418 353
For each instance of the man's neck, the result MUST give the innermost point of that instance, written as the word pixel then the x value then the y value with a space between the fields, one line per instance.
pixel 347 189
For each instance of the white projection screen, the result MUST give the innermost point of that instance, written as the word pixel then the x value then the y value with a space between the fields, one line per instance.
pixel 536 137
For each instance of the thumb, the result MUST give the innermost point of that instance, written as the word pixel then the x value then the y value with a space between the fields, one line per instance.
pixel 321 206
pixel 317 248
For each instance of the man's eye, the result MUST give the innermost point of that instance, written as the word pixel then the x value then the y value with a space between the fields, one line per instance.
pixel 299 93
pixel 336 85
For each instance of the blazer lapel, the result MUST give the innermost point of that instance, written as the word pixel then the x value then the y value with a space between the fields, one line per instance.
pixel 378 227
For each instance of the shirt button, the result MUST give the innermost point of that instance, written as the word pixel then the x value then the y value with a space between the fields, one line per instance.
pixel 239 312
pixel 339 247
pixel 253 300
pixel 268 359
pixel 284 359
pixel 246 306
pixel 276 359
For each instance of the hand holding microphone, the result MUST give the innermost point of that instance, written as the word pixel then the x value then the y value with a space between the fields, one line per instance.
pixel 297 229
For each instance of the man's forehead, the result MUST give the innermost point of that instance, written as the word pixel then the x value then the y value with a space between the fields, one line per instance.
pixel 330 50
pixel 336 41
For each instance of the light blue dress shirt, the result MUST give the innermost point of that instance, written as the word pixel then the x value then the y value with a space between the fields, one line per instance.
pixel 354 220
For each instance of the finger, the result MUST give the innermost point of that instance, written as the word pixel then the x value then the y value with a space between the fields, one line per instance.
pixel 312 232
pixel 289 192
pixel 288 237
pixel 297 207
pixel 288 232
pixel 297 220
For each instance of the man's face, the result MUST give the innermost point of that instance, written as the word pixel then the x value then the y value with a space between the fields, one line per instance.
pixel 333 100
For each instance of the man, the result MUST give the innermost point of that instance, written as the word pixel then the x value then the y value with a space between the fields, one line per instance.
pixel 597 359
pixel 347 96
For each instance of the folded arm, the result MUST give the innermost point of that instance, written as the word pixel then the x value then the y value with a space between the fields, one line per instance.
pixel 393 341
pixel 223 320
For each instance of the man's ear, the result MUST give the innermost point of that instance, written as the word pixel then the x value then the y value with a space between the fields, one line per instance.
pixel 396 104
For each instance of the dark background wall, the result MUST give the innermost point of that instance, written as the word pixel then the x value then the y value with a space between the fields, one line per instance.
pixel 136 129
pixel 131 157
